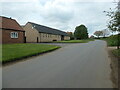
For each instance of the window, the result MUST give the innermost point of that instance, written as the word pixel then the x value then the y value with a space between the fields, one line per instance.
pixel 14 34
pixel 33 27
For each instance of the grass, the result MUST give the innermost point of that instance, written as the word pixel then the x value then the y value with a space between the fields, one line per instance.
pixel 116 52
pixel 75 41
pixel 12 52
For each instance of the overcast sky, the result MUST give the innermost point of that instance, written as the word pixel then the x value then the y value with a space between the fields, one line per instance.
pixel 64 15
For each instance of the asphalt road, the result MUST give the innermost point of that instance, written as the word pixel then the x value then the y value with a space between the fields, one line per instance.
pixel 74 66
pixel 57 44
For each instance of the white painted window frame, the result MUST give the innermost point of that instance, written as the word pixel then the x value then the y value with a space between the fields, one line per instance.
pixel 14 34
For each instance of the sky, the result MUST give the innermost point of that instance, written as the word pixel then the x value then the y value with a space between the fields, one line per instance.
pixel 64 15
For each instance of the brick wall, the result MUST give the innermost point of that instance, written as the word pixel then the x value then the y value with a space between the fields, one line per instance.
pixel 31 33
pixel 45 37
pixel 6 37
pixel 66 38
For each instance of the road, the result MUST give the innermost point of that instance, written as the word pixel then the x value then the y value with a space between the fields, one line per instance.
pixel 84 65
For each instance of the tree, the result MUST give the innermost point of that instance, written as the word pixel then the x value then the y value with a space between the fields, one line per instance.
pixel 71 35
pixel 114 22
pixel 81 32
pixel 105 32
pixel 98 33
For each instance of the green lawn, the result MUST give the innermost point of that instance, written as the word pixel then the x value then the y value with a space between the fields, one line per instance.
pixel 16 51
pixel 75 41
pixel 116 52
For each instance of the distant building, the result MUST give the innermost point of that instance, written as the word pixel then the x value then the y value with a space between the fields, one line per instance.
pixel 92 37
pixel 71 35
pixel 11 31
pixel 39 33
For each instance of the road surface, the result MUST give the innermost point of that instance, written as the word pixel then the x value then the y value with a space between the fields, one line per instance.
pixel 83 65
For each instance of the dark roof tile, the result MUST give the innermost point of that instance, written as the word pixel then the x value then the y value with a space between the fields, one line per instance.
pixel 49 30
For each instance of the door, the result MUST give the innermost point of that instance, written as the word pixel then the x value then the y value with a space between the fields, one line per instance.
pixel 24 39
pixel 37 40
pixel 62 37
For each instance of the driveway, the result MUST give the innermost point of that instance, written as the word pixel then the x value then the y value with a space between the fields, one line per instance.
pixel 83 65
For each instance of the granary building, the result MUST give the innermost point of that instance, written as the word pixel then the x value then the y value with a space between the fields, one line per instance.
pixel 39 33
pixel 11 31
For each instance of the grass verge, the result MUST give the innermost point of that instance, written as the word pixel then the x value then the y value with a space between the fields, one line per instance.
pixel 11 52
pixel 115 57
pixel 114 67
pixel 116 52
pixel 75 41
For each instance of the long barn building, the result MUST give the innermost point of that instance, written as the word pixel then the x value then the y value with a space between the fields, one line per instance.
pixel 39 33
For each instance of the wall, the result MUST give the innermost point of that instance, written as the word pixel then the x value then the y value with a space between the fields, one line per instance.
pixel 6 37
pixel 66 38
pixel 50 37
pixel 31 33
pixel 44 37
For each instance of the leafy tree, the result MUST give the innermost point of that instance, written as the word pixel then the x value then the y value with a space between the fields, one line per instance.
pixel 114 23
pixel 81 32
pixel 98 33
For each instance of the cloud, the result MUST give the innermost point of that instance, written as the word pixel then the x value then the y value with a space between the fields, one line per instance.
pixel 55 11
pixel 61 14
pixel 61 0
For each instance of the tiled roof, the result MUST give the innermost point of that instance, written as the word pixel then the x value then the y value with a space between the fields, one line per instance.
pixel 49 30
pixel 8 23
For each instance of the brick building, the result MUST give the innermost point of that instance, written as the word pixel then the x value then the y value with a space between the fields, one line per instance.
pixel 11 31
pixel 39 33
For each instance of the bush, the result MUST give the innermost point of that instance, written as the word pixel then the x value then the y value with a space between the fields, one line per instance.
pixel 112 40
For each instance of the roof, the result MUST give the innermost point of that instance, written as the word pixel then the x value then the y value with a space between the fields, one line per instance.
pixel 8 23
pixel 44 29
